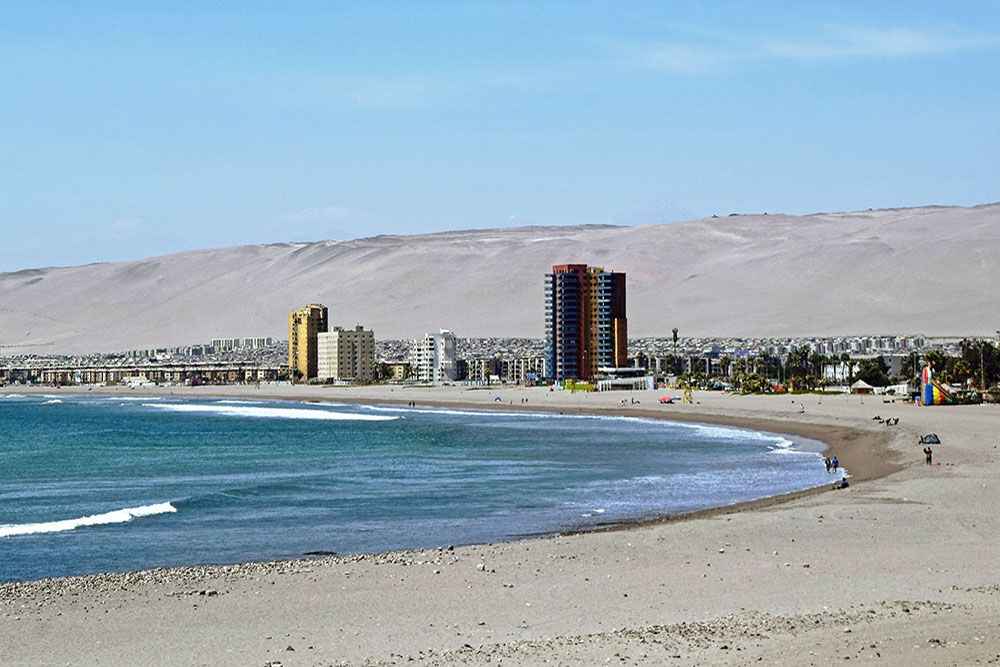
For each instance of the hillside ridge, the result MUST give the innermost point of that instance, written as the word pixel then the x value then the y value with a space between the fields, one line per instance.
pixel 931 270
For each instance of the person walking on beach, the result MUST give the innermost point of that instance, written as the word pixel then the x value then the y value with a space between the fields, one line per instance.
pixel 928 455
pixel 834 463
pixel 826 460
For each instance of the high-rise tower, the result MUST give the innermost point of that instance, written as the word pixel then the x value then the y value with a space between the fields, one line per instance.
pixel 585 323
pixel 304 327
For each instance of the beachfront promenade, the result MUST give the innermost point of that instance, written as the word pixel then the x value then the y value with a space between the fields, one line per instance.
pixel 901 568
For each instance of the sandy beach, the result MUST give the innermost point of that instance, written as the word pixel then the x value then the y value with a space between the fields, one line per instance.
pixel 902 568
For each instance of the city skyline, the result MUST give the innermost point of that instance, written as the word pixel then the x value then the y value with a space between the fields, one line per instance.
pixel 141 130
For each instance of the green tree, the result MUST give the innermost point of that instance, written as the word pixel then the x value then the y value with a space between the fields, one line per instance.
pixel 983 359
pixel 936 360
pixel 960 371
pixel 797 364
pixel 874 371
pixel 755 384
pixel 816 361
pixel 910 371
pixel 846 358
pixel 725 363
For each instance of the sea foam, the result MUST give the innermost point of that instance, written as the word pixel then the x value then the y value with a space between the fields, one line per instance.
pixel 452 412
pixel 116 516
pixel 274 413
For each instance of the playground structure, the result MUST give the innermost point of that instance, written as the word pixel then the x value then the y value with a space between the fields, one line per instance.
pixel 933 392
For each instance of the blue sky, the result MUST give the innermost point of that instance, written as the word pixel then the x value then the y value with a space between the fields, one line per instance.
pixel 137 128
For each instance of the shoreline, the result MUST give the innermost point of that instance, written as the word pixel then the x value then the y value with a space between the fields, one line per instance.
pixel 900 568
pixel 864 455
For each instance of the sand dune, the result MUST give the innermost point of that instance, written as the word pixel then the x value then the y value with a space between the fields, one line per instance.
pixel 933 270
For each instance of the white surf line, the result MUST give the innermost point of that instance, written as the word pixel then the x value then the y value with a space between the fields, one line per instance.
pixel 274 413
pixel 115 516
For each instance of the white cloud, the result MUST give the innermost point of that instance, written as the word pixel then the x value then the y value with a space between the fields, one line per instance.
pixel 686 58
pixel 849 42
pixel 833 43
pixel 381 91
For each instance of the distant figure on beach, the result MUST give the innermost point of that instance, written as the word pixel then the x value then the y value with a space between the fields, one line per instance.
pixel 834 463
pixel 828 462
pixel 928 455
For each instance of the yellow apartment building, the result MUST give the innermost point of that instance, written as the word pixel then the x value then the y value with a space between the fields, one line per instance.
pixel 304 327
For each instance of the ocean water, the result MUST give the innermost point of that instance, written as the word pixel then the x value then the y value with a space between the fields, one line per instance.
pixel 103 483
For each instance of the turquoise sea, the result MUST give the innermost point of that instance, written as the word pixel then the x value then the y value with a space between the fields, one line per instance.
pixel 105 483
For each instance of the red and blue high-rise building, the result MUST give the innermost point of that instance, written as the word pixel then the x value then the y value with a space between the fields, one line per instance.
pixel 585 323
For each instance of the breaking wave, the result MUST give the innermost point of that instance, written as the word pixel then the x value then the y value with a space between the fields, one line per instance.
pixel 116 516
pixel 273 413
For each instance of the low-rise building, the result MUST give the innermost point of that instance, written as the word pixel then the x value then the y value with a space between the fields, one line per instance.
pixel 525 370
pixel 481 370
pixel 346 355
pixel 399 371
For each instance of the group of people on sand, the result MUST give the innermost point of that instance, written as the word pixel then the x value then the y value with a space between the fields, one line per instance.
pixel 891 421
pixel 832 465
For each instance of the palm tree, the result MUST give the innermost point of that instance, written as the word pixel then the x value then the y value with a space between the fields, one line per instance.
pixel 961 372
pixel 846 358
pixel 936 360
pixel 816 363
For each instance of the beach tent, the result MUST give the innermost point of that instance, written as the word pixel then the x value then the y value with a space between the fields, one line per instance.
pixel 862 387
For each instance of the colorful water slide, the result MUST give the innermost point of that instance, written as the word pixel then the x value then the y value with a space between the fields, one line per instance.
pixel 933 392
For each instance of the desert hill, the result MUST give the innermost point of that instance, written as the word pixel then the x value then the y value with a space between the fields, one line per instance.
pixel 931 270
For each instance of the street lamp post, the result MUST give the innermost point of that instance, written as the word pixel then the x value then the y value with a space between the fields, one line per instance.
pixel 675 349
pixel 982 366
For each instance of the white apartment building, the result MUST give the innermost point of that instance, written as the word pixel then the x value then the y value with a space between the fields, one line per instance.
pixel 345 355
pixel 434 358
pixel 479 369
pixel 230 344
pixel 523 369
